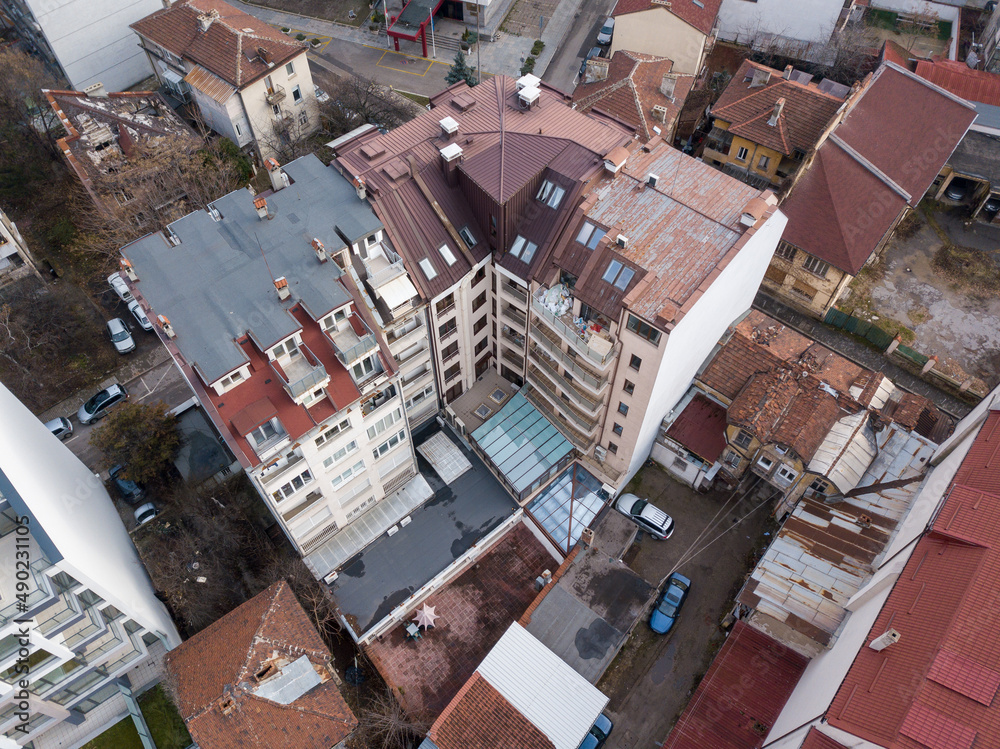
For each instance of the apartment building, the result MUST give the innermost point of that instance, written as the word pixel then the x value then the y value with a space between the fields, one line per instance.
pixel 84 41
pixel 250 82
pixel 260 302
pixel 16 260
pixel 77 610
pixel 682 31
pixel 551 247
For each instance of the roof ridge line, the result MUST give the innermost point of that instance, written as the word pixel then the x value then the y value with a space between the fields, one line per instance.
pixel 933 86
pixel 889 181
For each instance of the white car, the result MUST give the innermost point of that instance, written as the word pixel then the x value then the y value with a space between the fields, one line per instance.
pixel 145 513
pixel 650 518
pixel 606 32
pixel 321 95
pixel 120 287
pixel 120 336
pixel 139 315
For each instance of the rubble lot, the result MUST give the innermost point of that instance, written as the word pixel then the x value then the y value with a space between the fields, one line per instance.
pixel 651 680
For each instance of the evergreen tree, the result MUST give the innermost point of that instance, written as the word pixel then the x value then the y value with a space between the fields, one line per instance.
pixel 460 71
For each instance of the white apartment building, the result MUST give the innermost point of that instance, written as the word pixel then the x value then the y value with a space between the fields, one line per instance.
pixel 84 41
pixel 251 83
pixel 274 308
pixel 88 627
pixel 15 258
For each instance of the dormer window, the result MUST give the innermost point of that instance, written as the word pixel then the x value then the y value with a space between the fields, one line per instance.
pixel 523 249
pixel 287 348
pixel 466 235
pixel 550 194
pixel 590 235
pixel 266 434
pixel 618 274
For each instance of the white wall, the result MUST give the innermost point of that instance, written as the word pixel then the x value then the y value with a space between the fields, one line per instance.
pixel 697 333
pixel 73 508
pixel 93 41
pixel 804 20
pixel 925 7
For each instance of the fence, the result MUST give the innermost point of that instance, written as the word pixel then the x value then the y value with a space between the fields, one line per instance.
pixel 863 329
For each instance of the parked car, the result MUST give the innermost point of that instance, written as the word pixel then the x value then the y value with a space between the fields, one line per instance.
pixel 992 206
pixel 131 491
pixel 594 53
pixel 145 513
pixel 139 315
pixel 958 188
pixel 60 426
pixel 668 605
pixel 650 518
pixel 321 95
pixel 598 733
pixel 120 336
pixel 606 32
pixel 99 405
pixel 120 287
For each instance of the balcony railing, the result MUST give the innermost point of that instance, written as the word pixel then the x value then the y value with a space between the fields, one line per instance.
pixel 515 338
pixel 574 336
pixel 383 267
pixel 512 314
pixel 351 345
pixel 453 375
pixel 446 311
pixel 450 355
pixel 588 404
pixel 517 293
pixel 301 374
pixel 398 335
pixel 410 354
pixel 587 423
pixel 275 94
pixel 269 474
pixel 551 347
pixel 448 333
pixel 511 358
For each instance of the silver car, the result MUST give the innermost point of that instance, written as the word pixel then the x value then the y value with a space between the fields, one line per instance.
pixel 607 31
pixel 139 315
pixel 145 513
pixel 119 286
pixel 61 427
pixel 650 518
pixel 97 407
pixel 120 336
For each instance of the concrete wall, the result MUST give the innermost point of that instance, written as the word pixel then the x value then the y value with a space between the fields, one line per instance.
pixel 92 39
pixel 927 8
pixel 809 21
pixel 659 32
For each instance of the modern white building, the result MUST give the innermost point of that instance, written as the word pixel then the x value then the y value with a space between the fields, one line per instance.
pixel 86 629
pixel 85 41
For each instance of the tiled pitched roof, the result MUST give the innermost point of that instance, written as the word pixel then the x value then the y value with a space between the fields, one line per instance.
pixel 229 48
pixel 897 53
pixel 807 110
pixel 942 604
pixel 219 663
pixel 632 89
pixel 816 739
pixel 699 13
pixel 961 80
pixel 480 718
pixel 742 694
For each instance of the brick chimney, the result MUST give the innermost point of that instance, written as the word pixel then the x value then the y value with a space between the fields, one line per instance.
pixel 360 188
pixel 205 19
pixel 320 250
pixel 788 72
pixel 261 205
pixel 281 284
pixel 779 105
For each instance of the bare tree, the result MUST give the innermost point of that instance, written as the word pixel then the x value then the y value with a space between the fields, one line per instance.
pixel 357 100
pixel 289 135
pixel 23 106
pixel 383 723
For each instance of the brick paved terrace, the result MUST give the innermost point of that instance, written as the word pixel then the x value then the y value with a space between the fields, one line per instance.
pixel 475 611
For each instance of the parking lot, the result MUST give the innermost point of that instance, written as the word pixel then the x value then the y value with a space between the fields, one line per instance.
pixel 651 680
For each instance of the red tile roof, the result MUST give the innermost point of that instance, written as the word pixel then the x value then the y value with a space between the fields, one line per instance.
pixel 806 113
pixel 878 160
pixel 699 13
pixel 816 739
pixel 896 53
pixel 632 89
pixel 229 48
pixel 943 603
pixel 480 718
pixel 742 694
pixel 961 80
pixel 219 664
pixel 701 428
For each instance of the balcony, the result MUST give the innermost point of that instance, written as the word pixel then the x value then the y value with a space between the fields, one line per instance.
pixel 275 94
pixel 302 374
pixel 278 468
pixel 515 316
pixel 581 441
pixel 588 404
pixel 513 359
pixel 352 340
pixel 397 337
pixel 420 377
pixel 585 422
pixel 445 311
pixel 382 398
pixel 515 292
pixel 382 267
pixel 442 337
pixel 550 345
pixel 598 349
pixel 512 337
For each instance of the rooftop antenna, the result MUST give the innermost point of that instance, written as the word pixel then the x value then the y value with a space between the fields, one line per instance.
pixel 266 265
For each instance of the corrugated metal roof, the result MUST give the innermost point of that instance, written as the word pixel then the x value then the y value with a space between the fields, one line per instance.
pixel 210 84
pixel 560 702
pixel 846 452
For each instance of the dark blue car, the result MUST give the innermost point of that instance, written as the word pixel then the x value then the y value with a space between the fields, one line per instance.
pixel 598 733
pixel 668 606
pixel 129 490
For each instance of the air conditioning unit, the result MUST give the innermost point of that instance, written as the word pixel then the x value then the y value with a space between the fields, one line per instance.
pixel 600 452
pixel 405 521
pixel 392 531
pixel 622 241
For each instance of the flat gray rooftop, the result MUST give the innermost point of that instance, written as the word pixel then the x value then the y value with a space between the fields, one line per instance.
pixel 392 568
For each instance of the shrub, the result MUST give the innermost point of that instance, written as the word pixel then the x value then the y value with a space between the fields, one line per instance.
pixel 529 66
pixel 537 47
pixel 285 29
pixel 315 42
pixel 300 37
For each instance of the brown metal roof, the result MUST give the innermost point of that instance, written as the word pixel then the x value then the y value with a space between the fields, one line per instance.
pixel 209 84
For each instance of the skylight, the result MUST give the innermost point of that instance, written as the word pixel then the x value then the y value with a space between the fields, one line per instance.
pixel 550 194
pixel 612 272
pixel 466 233
pixel 447 254
pixel 618 274
pixel 590 235
pixel 428 268
pixel 523 249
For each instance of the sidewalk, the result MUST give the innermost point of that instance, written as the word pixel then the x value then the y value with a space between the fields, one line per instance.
pixel 861 354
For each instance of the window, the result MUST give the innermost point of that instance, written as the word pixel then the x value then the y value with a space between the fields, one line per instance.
pixel 452 372
pixel 384 423
pixel 445 305
pixel 428 269
pixel 523 249
pixel 786 475
pixel 303 117
pixel 447 254
pixel 741 154
pixel 469 239
pixel 635 362
pixel 643 330
pixel 238 129
pixel 785 250
pixel 820 486
pixel 479 301
pixel 267 432
pixel 290 70
pixel 618 274
pixel 479 276
pixel 623 408
pixel 763 162
pixel 289 488
pixel 481 346
pixel 612 448
pixel 231 379
pixel 817 266
pixel 332 432
pixel 731 459
pixel 618 429
pixel 447 328
pixel 765 463
pixel 590 235
pixel 550 194
pixel 363 368
pixel 479 325
pixel 297 95
pixel 629 386
pixel 743 439
pixel 288 348
pixel 346 475
pixel 341 453
pixel 276 109
pixel 390 443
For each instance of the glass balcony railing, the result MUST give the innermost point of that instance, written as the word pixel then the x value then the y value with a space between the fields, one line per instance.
pixel 580 339
pixel 301 374
pixel 354 341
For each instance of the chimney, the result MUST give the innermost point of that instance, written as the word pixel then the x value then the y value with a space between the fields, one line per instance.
pixel 788 72
pixel 360 188
pixel 652 179
pixel 264 55
pixel 278 177
pixel 129 270
pixel 667 85
pixel 96 91
pixel 320 250
pixel 168 329
pixel 451 155
pixel 261 205
pixel 890 637
pixel 449 127
pixel 779 105
pixel 282 286
pixel 597 70
pixel 205 19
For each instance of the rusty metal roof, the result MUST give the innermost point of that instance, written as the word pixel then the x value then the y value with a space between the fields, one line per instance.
pixel 209 84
